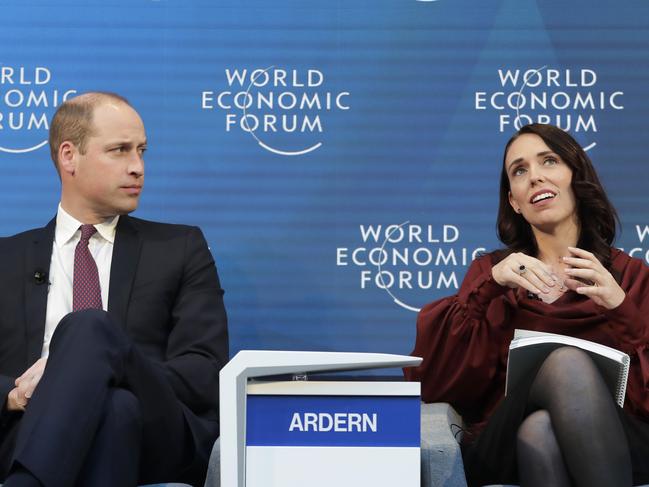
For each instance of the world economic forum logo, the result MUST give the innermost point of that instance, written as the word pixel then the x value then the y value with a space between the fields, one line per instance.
pixel 285 111
pixel 568 98
pixel 28 98
pixel 408 261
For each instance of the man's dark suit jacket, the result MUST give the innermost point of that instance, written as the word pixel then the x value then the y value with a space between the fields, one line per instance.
pixel 165 292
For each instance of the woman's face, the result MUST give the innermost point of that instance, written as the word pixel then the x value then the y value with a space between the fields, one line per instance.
pixel 539 183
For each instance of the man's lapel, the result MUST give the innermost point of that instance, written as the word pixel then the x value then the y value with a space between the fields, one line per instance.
pixel 126 254
pixel 37 268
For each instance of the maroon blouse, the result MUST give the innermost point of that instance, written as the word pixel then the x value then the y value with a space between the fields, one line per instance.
pixel 464 339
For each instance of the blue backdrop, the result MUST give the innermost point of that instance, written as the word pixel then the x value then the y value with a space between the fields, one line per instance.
pixel 342 157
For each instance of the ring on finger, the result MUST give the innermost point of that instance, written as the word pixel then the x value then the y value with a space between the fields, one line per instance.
pixel 521 270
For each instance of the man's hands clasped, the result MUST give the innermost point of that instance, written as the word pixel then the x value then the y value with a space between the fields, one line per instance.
pixel 20 395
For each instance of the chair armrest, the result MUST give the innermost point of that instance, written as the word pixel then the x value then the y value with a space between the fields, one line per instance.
pixel 441 459
pixel 213 478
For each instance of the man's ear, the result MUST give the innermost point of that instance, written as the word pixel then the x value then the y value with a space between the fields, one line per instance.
pixel 67 157
pixel 513 203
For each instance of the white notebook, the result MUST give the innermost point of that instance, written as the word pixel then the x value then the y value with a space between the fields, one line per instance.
pixel 529 348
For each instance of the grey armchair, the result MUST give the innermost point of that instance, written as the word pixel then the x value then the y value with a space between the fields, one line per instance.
pixel 441 459
pixel 214 468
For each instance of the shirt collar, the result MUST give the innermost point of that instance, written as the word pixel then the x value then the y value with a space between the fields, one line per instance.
pixel 67 227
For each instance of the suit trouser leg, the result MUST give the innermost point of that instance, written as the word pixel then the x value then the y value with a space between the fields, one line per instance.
pixel 8 432
pixel 90 357
pixel 115 454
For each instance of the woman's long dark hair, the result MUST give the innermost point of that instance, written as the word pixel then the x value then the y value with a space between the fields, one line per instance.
pixel 595 213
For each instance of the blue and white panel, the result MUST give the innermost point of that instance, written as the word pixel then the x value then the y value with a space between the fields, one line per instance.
pixel 324 440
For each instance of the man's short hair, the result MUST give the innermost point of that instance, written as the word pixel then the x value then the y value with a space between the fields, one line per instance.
pixel 73 121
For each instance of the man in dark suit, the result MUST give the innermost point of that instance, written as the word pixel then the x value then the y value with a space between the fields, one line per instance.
pixel 112 328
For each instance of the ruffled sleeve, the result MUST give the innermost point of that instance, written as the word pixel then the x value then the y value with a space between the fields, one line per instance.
pixel 460 339
pixel 630 320
pixel 630 325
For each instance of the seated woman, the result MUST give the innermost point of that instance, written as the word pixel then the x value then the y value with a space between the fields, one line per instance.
pixel 561 426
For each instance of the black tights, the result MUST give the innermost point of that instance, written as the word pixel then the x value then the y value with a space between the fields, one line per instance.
pixel 574 436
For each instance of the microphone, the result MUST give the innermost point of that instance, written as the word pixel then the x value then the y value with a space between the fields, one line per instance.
pixel 40 277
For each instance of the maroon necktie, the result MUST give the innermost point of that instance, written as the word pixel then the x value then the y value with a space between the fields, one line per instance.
pixel 86 292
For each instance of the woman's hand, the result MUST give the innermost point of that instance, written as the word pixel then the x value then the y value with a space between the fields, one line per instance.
pixel 590 278
pixel 520 270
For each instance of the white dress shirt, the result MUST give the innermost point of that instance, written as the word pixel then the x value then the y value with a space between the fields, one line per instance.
pixel 66 237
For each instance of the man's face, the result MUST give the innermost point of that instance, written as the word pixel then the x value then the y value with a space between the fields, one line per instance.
pixel 108 178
